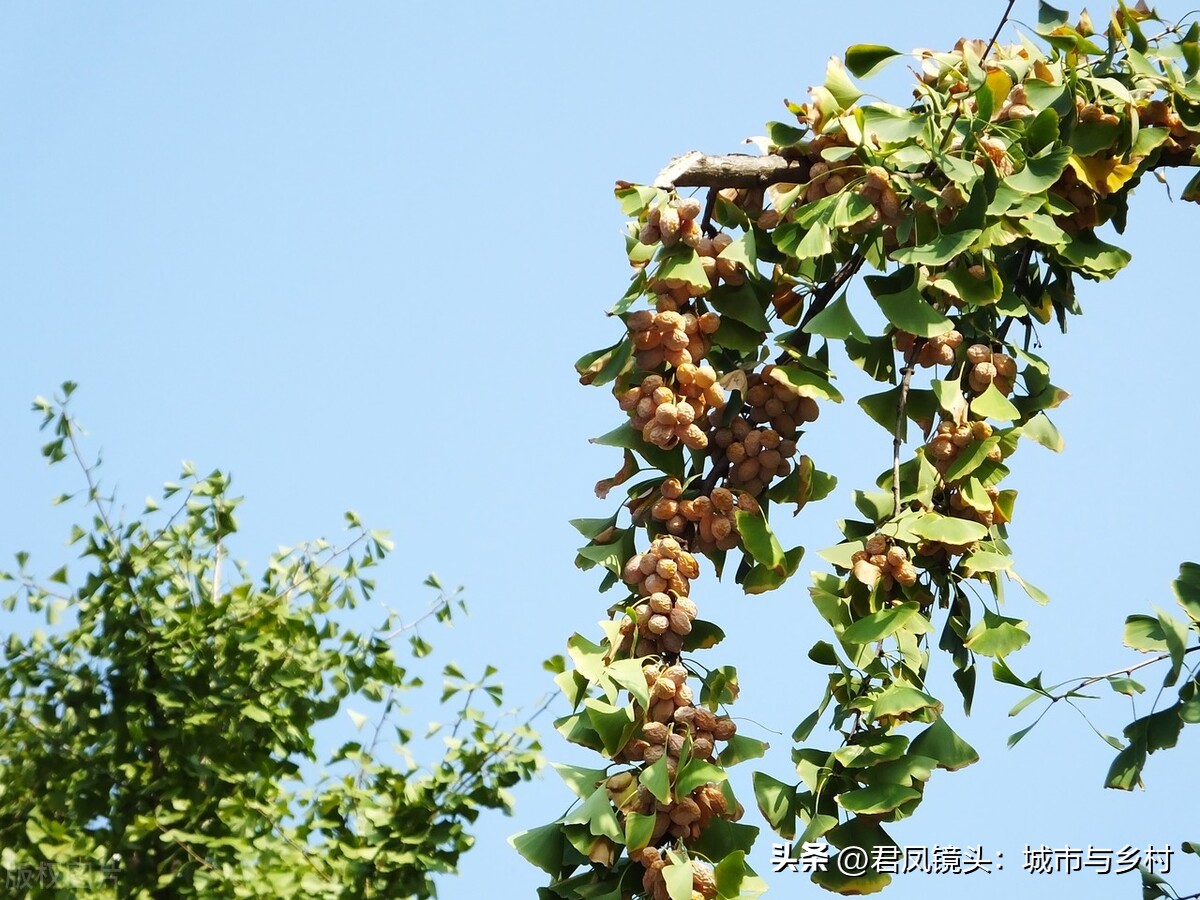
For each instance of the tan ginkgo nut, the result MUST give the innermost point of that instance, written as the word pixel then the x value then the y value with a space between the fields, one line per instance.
pixel 660 602
pixel 979 353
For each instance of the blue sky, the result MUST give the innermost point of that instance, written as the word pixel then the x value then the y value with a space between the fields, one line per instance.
pixel 349 252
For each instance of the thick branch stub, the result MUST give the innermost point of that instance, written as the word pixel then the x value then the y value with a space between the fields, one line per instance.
pixel 695 169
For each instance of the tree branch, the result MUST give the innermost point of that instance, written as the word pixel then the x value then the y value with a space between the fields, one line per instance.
pixel 910 365
pixel 696 169
pixel 1128 670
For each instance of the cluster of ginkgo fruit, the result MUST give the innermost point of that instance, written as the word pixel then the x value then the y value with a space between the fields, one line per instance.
pixel 708 520
pixel 959 507
pixel 666 416
pixel 677 222
pixel 883 563
pixel 662 615
pixel 951 439
pixel 654 883
pixel 940 350
pixel 670 336
pixel 990 367
pixel 759 444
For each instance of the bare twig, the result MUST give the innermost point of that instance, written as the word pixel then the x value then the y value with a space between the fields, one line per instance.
pixel 1128 670
pixel 709 205
pixel 910 365
pixel 990 45
pixel 736 170
pixel 290 841
pixel 93 487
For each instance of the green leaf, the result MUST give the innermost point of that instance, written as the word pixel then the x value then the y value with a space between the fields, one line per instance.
pixel 806 383
pixel 877 799
pixel 723 837
pixel 696 773
pixel 892 124
pixel 635 198
pixel 836 322
pixel 733 335
pixel 669 461
pixel 777 802
pixel 900 702
pixel 1145 633
pixel 1175 635
pixel 1035 593
pixel 1042 131
pixel 940 743
pixel 590 528
pixel 581 781
pixel 865 59
pixel 1093 257
pixel 628 673
pixel 704 636
pixel 992 404
pixel 759 540
pixel 1187 589
pixel 740 303
pixel 937 252
pixel 761 579
pixel 1042 430
pixel 740 748
pixel 614 724
pixel 1126 685
pixel 948 530
pixel 684 264
pixel 985 561
pixel 597 813
pixel 742 251
pixel 639 829
pixel 885 622
pixel 1191 191
pixel 838 83
pixel 903 305
pixel 784 135
pixel 736 879
pixel 542 846
pixel 1125 773
pixel 817 241
pixel 997 635
pixel 657 780
pixel 1040 173
pixel 884 409
pixel 678 878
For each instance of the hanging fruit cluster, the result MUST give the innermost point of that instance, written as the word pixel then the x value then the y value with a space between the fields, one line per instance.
pixel 978 207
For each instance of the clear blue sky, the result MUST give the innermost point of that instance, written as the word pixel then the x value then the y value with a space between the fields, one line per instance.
pixel 348 252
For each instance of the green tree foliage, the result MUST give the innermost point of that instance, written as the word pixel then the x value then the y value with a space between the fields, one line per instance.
pixel 979 207
pixel 160 741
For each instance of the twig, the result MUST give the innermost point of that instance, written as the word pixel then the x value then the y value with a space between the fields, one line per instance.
pixel 434 608
pixel 823 296
pixel 93 487
pixel 216 580
pixel 1128 670
pixel 736 170
pixel 288 839
pixel 959 108
pixel 719 470
pixel 185 848
pixel 706 221
pixel 466 779
pixel 910 365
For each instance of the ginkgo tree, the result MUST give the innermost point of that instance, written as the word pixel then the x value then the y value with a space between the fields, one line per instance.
pixel 977 209
pixel 160 739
